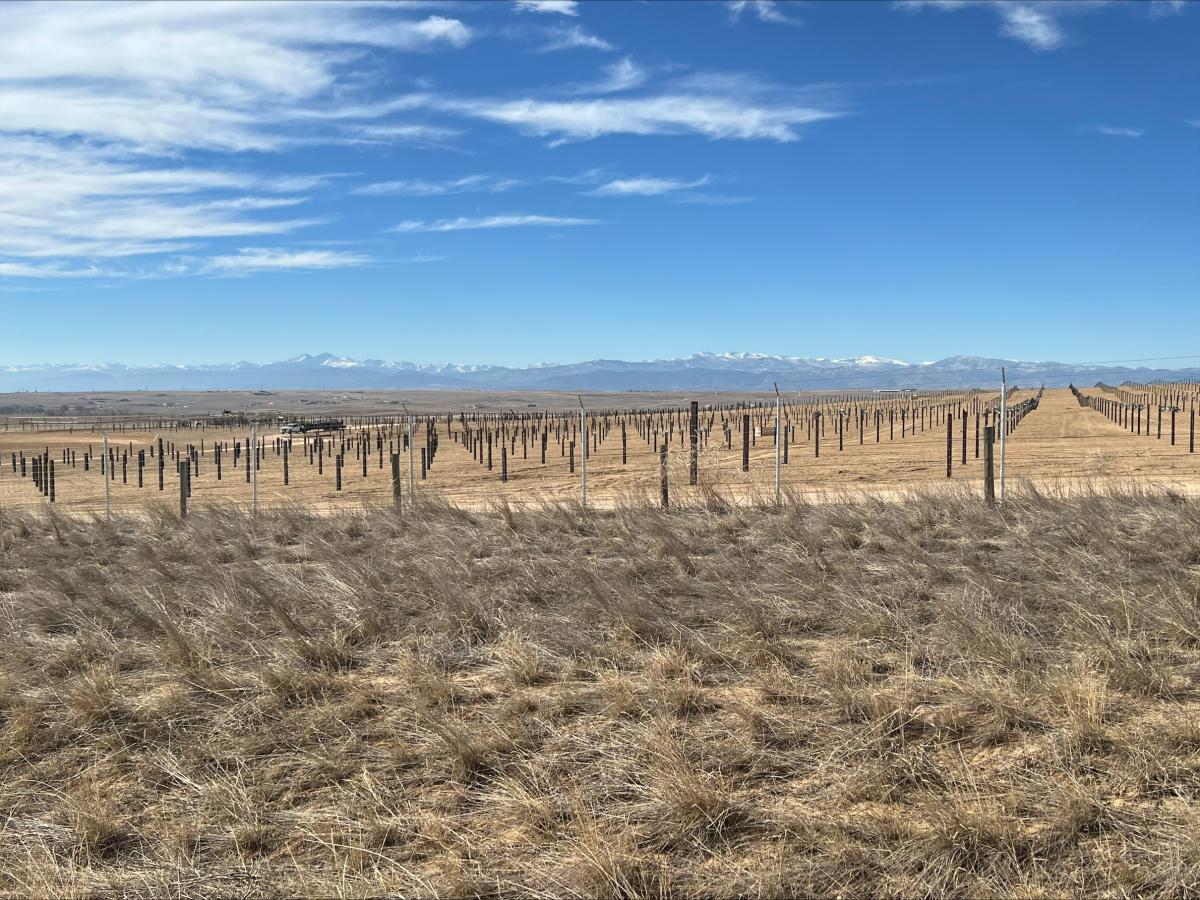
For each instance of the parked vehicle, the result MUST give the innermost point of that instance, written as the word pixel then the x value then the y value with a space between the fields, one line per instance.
pixel 305 427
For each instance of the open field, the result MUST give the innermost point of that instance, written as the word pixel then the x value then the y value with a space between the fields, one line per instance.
pixel 1062 443
pixel 908 699
pixel 333 402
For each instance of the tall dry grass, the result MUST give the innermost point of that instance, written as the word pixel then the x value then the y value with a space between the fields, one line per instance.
pixel 870 698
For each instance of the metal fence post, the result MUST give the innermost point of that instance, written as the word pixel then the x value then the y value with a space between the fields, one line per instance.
pixel 412 480
pixel 104 472
pixel 1003 425
pixel 583 437
pixel 778 449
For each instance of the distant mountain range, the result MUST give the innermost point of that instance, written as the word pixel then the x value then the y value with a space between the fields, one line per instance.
pixel 700 372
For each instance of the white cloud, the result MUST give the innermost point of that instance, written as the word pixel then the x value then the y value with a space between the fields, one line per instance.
pixel 258 259
pixel 572 37
pixel 1112 131
pixel 100 102
pixel 47 270
pixel 1033 26
pixel 562 7
pixel 417 135
pixel 508 220
pixel 765 10
pixel 163 76
pixel 647 187
pixel 417 187
pixel 77 201
pixel 712 115
pixel 1033 23
pixel 623 75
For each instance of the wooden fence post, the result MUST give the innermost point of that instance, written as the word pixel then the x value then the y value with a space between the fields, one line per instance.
pixel 184 472
pixel 746 442
pixel 662 468
pixel 693 441
pixel 989 477
pixel 396 480
pixel 964 437
pixel 949 445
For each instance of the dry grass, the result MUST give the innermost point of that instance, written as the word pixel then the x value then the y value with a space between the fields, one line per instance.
pixel 875 698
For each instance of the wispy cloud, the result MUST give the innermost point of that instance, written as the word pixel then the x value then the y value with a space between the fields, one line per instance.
pixel 418 258
pixel 507 220
pixel 1112 131
pixel 765 10
pixel 74 201
pixel 572 37
pixel 1031 25
pixel 648 187
pixel 47 270
pixel 403 133
pixel 250 260
pixel 1034 24
pixel 623 75
pixel 100 102
pixel 416 187
pixel 561 7
pixel 682 111
pixel 158 77
pixel 1159 8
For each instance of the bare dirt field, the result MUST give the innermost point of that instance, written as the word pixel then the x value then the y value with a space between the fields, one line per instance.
pixel 264 403
pixel 1061 445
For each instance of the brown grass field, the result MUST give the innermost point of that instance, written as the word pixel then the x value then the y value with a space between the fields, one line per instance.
pixel 881 687
pixel 1059 446
pixel 871 698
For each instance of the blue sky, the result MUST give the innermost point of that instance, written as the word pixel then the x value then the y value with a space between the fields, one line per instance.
pixel 515 182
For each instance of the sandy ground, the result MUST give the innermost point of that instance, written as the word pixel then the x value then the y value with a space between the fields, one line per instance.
pixel 1061 445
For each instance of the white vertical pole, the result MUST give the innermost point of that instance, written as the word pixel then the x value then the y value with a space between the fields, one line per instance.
pixel 254 470
pixel 412 449
pixel 1003 425
pixel 584 443
pixel 104 472
pixel 778 449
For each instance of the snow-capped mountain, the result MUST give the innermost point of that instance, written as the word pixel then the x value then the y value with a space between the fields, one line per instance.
pixel 699 372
